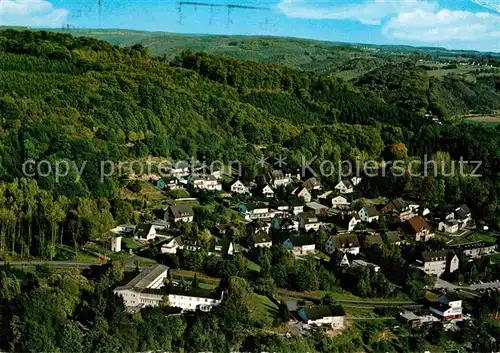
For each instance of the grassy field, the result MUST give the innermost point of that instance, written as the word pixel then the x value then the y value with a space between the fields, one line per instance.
pixel 487 237
pixel 131 243
pixel 265 311
pixel 488 120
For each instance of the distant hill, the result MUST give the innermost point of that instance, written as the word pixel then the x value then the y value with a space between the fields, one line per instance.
pixel 345 60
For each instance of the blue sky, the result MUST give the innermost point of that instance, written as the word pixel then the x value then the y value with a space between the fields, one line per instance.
pixel 458 24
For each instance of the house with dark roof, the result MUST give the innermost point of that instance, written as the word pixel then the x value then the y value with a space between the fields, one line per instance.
pixel 170 246
pixel 400 208
pixel 372 240
pixel 438 262
pixel 393 237
pixel 346 243
pixel 308 221
pixel 179 213
pixel 300 244
pixel 280 179
pixel 303 193
pixel 457 220
pixel 334 200
pixel 221 247
pixel 329 316
pixel 418 229
pixel 447 306
pixel 369 214
pixel 253 211
pixel 259 239
pixel 145 231
pixel 345 186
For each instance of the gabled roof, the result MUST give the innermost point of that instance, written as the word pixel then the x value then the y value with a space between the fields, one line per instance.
pixel 259 238
pixel 396 205
pixel 316 206
pixel 345 241
pixel 277 174
pixel 392 237
pixel 181 210
pixel 143 229
pixel 371 211
pixel 375 239
pixel 430 256
pixel 347 183
pixel 416 224
pixel 462 211
pixel 311 183
pixel 319 312
pixel 301 240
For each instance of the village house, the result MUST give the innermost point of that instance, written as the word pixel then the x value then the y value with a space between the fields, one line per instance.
pixel 280 179
pixel 371 240
pixel 280 206
pixel 204 182
pixel 400 209
pixel 363 263
pixel 340 259
pixel 356 180
pixel 179 213
pixel 345 187
pixel 296 206
pixel 308 221
pixel 346 243
pixel 393 237
pixel 418 229
pixel 300 244
pixel 475 249
pixel 350 222
pixel 191 244
pixel 285 224
pixel 447 307
pixel 239 188
pixel 256 211
pixel 457 220
pixel 323 316
pixel 369 214
pixel 179 169
pixel 267 191
pixel 410 319
pixel 259 240
pixel 171 183
pixel 302 193
pixel 146 231
pixel 438 262
pixel 317 208
pixel 170 246
pixel 334 200
pixel 221 247
pixel 312 184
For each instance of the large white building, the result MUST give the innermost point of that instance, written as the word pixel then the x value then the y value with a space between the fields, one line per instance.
pixel 147 289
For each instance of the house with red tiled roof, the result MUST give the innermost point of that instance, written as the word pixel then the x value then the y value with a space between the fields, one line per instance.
pixel 418 229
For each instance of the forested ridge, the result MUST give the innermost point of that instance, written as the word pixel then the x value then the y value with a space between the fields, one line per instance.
pixel 81 99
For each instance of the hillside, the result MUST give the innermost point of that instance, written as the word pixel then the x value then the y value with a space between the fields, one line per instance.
pixel 345 60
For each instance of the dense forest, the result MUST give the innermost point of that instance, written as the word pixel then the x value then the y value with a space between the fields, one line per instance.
pixel 86 101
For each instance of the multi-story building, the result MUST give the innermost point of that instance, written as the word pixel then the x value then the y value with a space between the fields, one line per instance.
pixel 147 289
pixel 438 262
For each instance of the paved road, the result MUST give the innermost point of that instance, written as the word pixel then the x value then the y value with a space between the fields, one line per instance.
pixel 65 264
pixel 51 263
